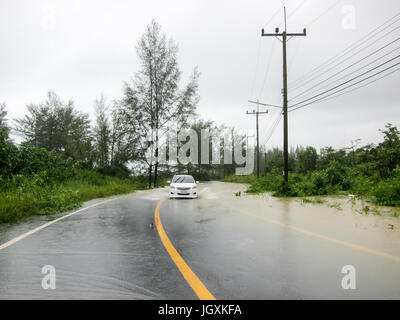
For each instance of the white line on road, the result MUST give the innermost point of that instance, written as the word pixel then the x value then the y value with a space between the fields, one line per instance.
pixel 27 234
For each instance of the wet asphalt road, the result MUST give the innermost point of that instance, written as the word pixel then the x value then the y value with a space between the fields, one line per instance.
pixel 113 251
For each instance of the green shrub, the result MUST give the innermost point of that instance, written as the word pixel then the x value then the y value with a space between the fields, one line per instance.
pixel 320 180
pixel 387 192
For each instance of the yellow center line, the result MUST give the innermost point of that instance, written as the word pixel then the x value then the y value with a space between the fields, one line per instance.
pixel 195 283
pixel 319 236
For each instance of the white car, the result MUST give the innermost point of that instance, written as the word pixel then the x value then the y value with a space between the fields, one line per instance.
pixel 183 186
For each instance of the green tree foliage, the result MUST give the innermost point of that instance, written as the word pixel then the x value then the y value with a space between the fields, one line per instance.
pixel 102 133
pixel 274 160
pixel 154 102
pixel 306 159
pixel 388 152
pixel 3 118
pixel 368 171
pixel 57 126
pixel 7 149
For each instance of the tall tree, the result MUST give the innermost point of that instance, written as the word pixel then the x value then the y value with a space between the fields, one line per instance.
pixel 123 139
pixel 3 118
pixel 7 149
pixel 56 126
pixel 102 133
pixel 388 154
pixel 306 159
pixel 153 102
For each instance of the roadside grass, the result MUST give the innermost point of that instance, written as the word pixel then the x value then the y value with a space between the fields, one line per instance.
pixel 240 179
pixel 21 201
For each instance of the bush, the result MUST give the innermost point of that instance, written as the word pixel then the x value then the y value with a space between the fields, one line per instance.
pixel 299 185
pixel 387 192
pixel 114 171
pixel 320 180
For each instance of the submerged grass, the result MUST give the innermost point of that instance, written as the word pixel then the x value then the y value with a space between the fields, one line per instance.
pixel 313 201
pixel 240 179
pixel 331 181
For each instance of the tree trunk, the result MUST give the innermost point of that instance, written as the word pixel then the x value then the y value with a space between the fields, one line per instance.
pixel 156 164
pixel 150 172
pixel 156 174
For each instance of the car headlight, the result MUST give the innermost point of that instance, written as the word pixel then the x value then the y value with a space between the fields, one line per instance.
pixel 195 187
pixel 172 187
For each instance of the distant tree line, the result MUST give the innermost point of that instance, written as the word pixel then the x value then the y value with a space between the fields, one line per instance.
pixel 379 159
pixel 154 104
pixel 371 171
pixel 126 131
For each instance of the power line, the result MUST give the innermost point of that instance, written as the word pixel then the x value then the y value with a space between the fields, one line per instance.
pixel 324 13
pixel 294 55
pixel 347 50
pixel 343 61
pixel 296 9
pixel 271 130
pixel 275 14
pixel 349 86
pixel 268 68
pixel 273 45
pixel 258 55
pixel 256 68
pixel 284 38
pixel 267 132
pixel 346 82
pixel 348 67
pixel 257 113
pixel 349 91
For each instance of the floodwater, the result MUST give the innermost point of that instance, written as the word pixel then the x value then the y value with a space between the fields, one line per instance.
pixel 240 247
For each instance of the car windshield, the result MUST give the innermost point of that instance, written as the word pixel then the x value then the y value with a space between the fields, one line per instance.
pixel 183 179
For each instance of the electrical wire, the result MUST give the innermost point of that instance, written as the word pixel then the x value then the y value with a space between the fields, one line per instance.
pixel 349 86
pixel 256 68
pixel 272 129
pixel 343 61
pixel 364 85
pixel 347 50
pixel 323 13
pixel 296 9
pixel 348 67
pixel 268 68
pixel 275 14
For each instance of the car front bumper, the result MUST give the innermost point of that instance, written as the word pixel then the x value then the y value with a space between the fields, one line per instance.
pixel 191 194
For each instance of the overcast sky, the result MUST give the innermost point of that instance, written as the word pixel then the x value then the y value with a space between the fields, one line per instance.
pixel 82 48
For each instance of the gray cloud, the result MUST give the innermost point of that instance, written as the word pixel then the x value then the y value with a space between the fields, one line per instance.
pixel 83 48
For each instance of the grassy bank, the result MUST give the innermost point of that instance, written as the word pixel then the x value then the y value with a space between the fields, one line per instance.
pixel 332 181
pixel 37 195
pixel 240 179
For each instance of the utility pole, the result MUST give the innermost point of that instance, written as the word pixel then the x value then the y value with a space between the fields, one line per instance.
pixel 285 37
pixel 258 112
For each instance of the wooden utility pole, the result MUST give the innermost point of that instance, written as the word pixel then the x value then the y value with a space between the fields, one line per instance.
pixel 284 37
pixel 258 140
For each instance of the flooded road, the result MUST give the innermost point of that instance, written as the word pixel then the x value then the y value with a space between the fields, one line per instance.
pixel 239 247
